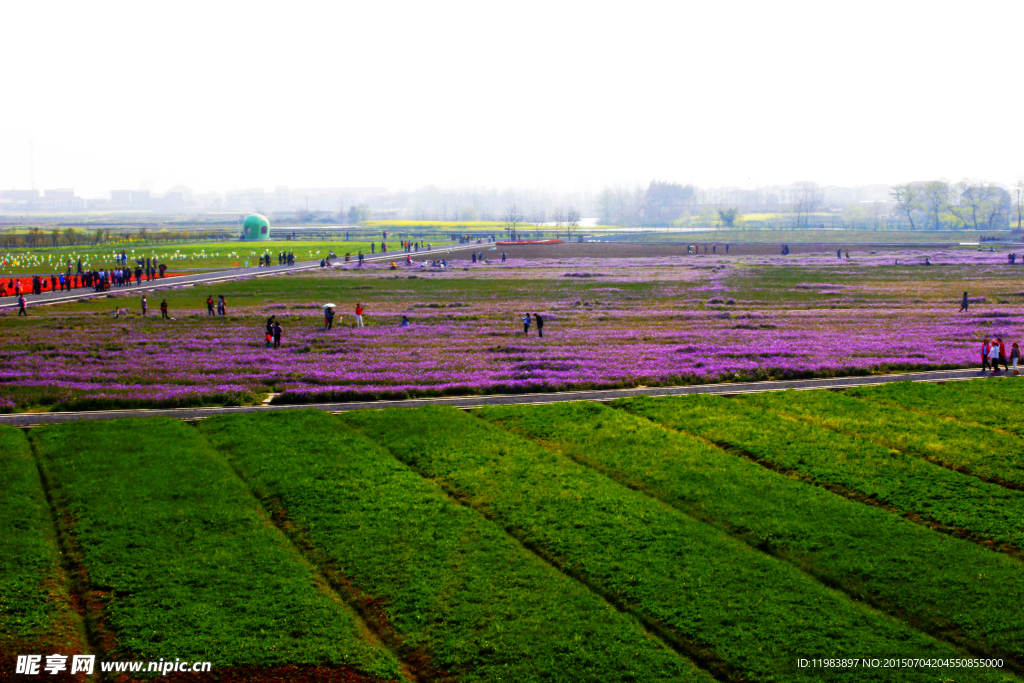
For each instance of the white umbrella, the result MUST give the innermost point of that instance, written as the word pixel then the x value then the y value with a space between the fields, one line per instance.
pixel 328 306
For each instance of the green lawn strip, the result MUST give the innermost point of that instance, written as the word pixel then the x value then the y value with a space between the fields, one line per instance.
pixel 944 441
pixel 181 557
pixel 754 615
pixel 36 612
pixel 993 403
pixel 857 468
pixel 947 586
pixel 450 584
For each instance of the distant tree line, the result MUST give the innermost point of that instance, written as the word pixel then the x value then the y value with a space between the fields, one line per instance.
pixel 34 237
pixel 968 204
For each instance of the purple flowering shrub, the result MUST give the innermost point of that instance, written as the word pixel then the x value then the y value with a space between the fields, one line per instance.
pixel 650 321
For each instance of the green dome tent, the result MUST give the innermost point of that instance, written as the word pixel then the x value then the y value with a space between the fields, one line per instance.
pixel 256 227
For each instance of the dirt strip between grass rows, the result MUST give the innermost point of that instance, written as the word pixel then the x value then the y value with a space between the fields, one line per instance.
pixel 730 388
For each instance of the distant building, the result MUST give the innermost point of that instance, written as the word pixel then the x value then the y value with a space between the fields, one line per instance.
pixel 245 200
pixel 62 199
pixel 20 195
pixel 338 199
pixel 282 198
pixel 121 199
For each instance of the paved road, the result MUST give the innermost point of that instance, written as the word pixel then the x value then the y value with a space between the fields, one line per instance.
pixel 36 419
pixel 47 298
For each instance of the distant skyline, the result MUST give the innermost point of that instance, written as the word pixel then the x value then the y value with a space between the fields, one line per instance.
pixel 563 95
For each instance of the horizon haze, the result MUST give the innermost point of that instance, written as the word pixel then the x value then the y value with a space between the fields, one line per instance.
pixel 569 97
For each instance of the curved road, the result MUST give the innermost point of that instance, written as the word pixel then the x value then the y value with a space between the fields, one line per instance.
pixel 37 419
pixel 47 298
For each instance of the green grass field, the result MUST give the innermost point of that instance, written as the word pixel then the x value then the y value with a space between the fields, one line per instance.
pixel 650 539
pixel 178 257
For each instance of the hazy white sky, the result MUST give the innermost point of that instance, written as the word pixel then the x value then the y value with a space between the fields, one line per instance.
pixel 220 95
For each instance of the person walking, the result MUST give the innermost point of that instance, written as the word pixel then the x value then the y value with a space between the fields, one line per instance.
pixel 963 303
pixel 329 317
pixel 502 257
pixel 993 356
pixel 277 335
pixel 359 315
pixel 1002 355
pixel 985 348
pixel 1015 357
pixel 540 324
pixel 209 305
pixel 21 305
pixel 526 325
pixel 222 306
pixel 163 309
pixel 145 304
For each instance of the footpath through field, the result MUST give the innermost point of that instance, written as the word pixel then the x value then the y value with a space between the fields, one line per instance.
pixel 59 297
pixel 35 419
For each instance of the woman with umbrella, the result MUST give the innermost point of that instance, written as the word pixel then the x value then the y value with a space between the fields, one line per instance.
pixel 328 315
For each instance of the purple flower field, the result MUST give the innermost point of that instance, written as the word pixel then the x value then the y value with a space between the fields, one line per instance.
pixel 609 323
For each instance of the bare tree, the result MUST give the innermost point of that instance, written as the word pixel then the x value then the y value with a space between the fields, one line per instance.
pixel 906 197
pixel 538 216
pixel 572 220
pixel 1018 189
pixel 973 198
pixel 559 216
pixel 807 199
pixel 512 217
pixel 935 197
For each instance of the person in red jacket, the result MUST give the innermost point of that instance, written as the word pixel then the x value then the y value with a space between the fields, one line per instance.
pixel 1002 355
pixel 359 315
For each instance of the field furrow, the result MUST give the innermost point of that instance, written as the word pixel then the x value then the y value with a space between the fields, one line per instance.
pixel 180 558
pixel 944 441
pixel 36 606
pixel 949 587
pixel 958 503
pixel 708 591
pixel 994 403
pixel 451 591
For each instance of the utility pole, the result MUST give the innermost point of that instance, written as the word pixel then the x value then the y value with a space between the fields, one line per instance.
pixel 31 165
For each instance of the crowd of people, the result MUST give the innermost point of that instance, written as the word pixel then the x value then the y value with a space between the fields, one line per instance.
pixel 98 280
pixel 993 354
pixel 692 249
